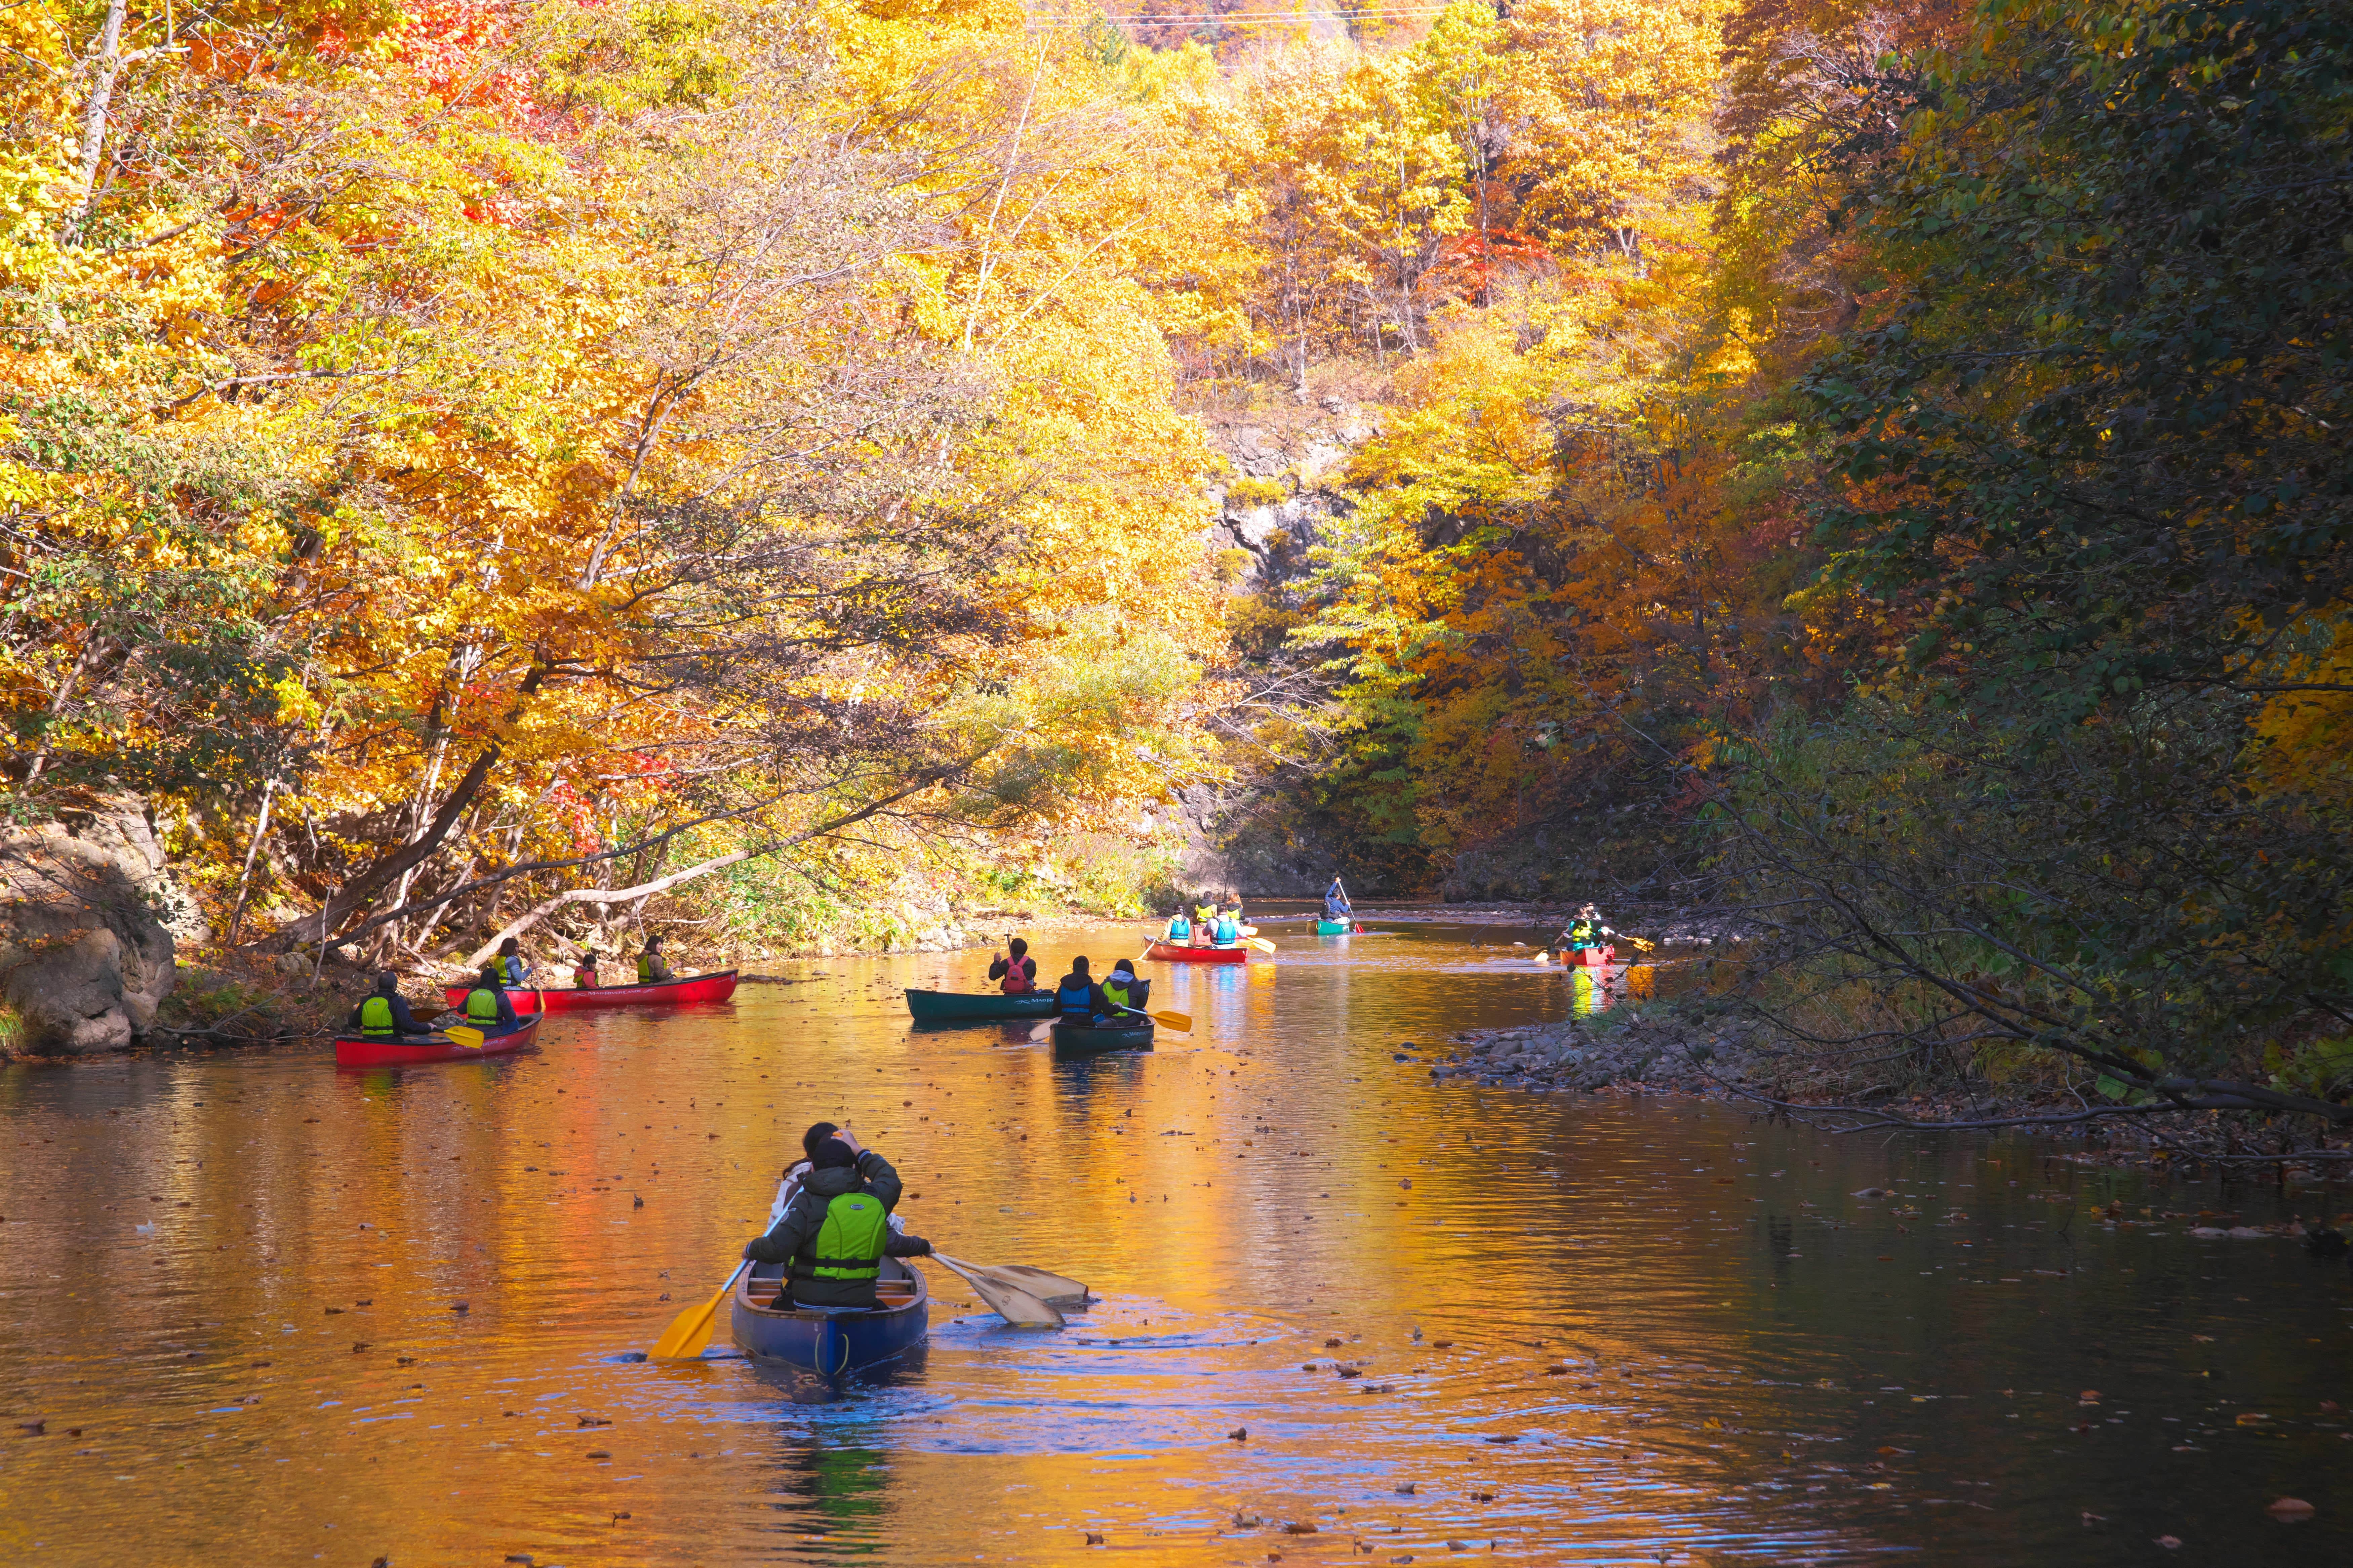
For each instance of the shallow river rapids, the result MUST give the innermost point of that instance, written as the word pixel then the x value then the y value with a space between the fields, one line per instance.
pixel 261 1311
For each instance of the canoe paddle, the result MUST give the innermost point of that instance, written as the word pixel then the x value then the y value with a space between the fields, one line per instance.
pixel 689 1333
pixel 1054 1290
pixel 1015 1306
pixel 1261 943
pixel 469 1038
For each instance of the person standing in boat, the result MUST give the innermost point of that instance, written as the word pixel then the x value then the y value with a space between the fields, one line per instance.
pixel 1079 1000
pixel 488 1007
pixel 653 969
pixel 1015 967
pixel 835 1230
pixel 384 1015
pixel 512 970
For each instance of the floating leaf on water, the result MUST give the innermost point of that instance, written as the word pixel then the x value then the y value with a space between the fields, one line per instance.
pixel 2171 1543
pixel 2290 1507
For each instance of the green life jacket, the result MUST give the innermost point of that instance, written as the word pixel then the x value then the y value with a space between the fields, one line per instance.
pixel 481 1005
pixel 850 1242
pixel 645 969
pixel 1583 934
pixel 1115 990
pixel 375 1016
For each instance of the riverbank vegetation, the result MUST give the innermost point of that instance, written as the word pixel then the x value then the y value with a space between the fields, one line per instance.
pixel 1874 468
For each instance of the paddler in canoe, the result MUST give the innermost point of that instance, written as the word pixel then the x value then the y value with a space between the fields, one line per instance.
pixel 384 1014
pixel 653 969
pixel 1204 916
pixel 1226 930
pixel 1013 968
pixel 1080 1002
pixel 835 1229
pixel 584 973
pixel 488 1007
pixel 1124 991
pixel 1585 930
pixel 1180 929
pixel 1335 902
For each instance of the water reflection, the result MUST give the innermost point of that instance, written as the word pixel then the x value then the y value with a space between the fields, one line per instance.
pixel 266 1311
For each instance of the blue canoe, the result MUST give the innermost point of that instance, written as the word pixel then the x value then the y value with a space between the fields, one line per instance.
pixel 829 1340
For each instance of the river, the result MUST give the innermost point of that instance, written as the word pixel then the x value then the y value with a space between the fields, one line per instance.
pixel 261 1310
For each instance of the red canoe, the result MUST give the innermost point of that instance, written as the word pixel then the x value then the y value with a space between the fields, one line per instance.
pixel 355 1051
pixel 571 999
pixel 1175 953
pixel 1593 957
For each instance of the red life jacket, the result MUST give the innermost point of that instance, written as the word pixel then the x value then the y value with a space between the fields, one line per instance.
pixel 1018 977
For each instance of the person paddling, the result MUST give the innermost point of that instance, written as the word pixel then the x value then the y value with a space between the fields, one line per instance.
pixel 584 973
pixel 384 1014
pixel 1016 968
pixel 488 1007
pixel 1180 929
pixel 1078 998
pixel 835 1230
pixel 1228 929
pixel 1585 930
pixel 1335 902
pixel 1122 992
pixel 512 970
pixel 653 967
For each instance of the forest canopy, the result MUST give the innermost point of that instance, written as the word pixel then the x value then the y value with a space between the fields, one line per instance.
pixel 1876 468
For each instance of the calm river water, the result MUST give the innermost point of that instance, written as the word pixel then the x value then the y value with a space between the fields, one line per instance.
pixel 1589 1329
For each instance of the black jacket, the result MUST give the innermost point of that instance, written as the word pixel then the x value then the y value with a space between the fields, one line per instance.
pixel 403 1020
pixel 797 1228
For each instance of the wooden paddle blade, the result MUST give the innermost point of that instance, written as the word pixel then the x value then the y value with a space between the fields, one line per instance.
pixel 689 1333
pixel 469 1038
pixel 1054 1290
pixel 1015 1305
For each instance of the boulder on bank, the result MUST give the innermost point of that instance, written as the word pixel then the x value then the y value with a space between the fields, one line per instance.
pixel 88 917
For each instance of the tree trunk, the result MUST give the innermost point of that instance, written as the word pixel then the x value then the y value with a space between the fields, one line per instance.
pixel 93 118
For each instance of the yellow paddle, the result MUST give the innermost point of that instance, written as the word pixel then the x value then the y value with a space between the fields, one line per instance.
pixel 1261 943
pixel 469 1038
pixel 689 1333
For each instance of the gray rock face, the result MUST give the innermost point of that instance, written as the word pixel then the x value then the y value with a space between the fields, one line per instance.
pixel 88 913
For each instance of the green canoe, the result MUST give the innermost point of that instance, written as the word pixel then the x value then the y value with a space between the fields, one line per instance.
pixel 1071 1040
pixel 1332 928
pixel 965 1008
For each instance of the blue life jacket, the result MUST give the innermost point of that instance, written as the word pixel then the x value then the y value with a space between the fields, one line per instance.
pixel 1226 931
pixel 1179 926
pixel 1075 1001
